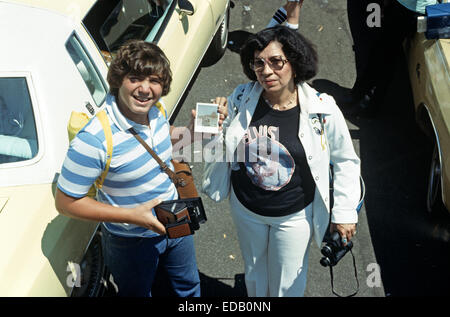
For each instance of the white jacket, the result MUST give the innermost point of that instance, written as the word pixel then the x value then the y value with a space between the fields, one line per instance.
pixel 335 146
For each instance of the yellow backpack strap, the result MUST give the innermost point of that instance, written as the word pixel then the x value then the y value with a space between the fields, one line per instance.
pixel 161 108
pixel 76 122
pixel 103 118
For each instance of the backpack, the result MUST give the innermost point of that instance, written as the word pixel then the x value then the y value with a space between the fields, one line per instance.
pixel 78 121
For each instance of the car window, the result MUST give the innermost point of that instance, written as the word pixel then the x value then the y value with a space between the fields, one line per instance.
pixel 18 137
pixel 112 25
pixel 87 70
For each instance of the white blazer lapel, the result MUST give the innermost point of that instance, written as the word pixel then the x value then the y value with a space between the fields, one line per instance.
pixel 238 127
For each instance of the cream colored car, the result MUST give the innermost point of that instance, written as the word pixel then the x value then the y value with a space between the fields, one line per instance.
pixel 54 60
pixel 429 72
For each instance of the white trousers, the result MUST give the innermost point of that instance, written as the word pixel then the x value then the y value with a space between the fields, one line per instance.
pixel 274 249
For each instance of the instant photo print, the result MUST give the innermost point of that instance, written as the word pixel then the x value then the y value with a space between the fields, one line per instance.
pixel 207 119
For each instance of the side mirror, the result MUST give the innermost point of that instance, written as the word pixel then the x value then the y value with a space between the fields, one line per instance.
pixel 186 7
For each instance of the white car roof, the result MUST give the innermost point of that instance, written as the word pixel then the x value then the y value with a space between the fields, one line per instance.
pixel 29 36
pixel 73 8
pixel 34 46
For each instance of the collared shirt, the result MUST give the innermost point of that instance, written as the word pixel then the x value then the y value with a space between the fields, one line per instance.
pixel 134 177
pixel 417 5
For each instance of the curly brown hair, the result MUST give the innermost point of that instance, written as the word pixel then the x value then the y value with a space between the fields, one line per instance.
pixel 299 51
pixel 139 58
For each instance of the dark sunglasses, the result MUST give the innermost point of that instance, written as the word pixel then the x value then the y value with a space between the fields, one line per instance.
pixel 274 62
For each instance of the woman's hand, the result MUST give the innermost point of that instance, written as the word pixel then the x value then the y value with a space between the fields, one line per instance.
pixel 222 110
pixel 346 230
pixel 183 136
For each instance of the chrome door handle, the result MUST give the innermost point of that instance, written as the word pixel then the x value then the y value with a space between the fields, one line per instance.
pixel 186 8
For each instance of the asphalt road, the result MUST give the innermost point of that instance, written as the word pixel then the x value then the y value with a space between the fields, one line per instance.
pixel 399 249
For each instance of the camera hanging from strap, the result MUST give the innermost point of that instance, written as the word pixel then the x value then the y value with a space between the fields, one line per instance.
pixel 356 277
pixel 333 251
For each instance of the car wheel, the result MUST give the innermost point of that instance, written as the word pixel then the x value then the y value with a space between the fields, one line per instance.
pixel 92 270
pixel 219 42
pixel 434 199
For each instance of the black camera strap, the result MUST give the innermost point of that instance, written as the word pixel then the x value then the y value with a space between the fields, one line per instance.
pixel 356 277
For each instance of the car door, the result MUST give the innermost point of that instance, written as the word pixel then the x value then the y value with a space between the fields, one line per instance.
pixel 429 61
pixel 41 249
pixel 182 28
pixel 218 8
pixel 184 39
pixel 35 241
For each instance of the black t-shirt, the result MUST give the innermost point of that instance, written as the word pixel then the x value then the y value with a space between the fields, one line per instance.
pixel 275 179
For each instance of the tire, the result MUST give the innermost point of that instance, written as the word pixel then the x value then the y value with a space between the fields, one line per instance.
pixel 434 199
pixel 92 270
pixel 219 42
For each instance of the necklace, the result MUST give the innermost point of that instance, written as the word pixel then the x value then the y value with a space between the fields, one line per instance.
pixel 285 106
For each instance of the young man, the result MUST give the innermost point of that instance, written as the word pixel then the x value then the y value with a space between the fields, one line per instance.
pixel 134 240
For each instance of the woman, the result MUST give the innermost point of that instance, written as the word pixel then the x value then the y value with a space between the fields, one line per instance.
pixel 282 125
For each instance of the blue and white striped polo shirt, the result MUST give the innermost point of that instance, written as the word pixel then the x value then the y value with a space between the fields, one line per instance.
pixel 134 177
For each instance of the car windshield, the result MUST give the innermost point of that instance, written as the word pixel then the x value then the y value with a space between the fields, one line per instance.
pixel 111 23
pixel 18 138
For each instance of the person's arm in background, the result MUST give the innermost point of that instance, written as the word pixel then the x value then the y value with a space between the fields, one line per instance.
pixel 289 13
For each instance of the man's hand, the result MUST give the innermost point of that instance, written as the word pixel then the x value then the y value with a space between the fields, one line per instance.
pixel 89 209
pixel 143 217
